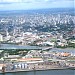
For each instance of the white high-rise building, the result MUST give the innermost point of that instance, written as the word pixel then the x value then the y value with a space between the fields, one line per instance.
pixel 1 37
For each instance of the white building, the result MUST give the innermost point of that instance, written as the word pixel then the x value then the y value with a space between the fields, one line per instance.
pixel 1 37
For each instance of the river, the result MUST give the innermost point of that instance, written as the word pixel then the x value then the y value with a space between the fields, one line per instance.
pixel 12 46
pixel 47 72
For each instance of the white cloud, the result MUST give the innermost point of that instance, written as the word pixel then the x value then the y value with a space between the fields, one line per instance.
pixel 10 0
pixel 33 0
pixel 33 4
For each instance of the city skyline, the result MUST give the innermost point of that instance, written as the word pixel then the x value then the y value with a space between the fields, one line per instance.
pixel 35 4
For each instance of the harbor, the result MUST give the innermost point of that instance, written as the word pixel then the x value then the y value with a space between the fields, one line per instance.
pixel 35 68
pixel 35 60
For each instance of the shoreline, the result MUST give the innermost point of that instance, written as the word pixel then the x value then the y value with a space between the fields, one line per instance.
pixel 29 70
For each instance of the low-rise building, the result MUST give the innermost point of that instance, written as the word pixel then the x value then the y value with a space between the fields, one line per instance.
pixel 1 65
pixel 30 60
pixel 71 64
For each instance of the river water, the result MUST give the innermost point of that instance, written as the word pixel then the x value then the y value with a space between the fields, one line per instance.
pixel 12 46
pixel 47 72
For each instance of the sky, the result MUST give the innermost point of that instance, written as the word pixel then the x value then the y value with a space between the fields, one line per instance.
pixel 35 4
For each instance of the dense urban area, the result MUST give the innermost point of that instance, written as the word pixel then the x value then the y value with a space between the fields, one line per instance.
pixel 46 29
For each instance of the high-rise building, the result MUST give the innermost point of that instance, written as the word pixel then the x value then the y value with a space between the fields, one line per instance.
pixel 1 38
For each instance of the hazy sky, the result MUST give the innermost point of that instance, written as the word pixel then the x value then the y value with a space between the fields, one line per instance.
pixel 34 4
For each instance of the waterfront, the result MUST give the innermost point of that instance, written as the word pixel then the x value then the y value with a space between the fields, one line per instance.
pixel 55 58
pixel 47 72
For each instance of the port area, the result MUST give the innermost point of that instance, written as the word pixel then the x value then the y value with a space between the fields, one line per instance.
pixel 39 68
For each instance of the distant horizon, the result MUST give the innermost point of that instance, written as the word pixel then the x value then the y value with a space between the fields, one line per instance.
pixel 37 9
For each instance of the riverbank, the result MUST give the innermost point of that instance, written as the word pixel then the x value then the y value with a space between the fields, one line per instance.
pixel 41 69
